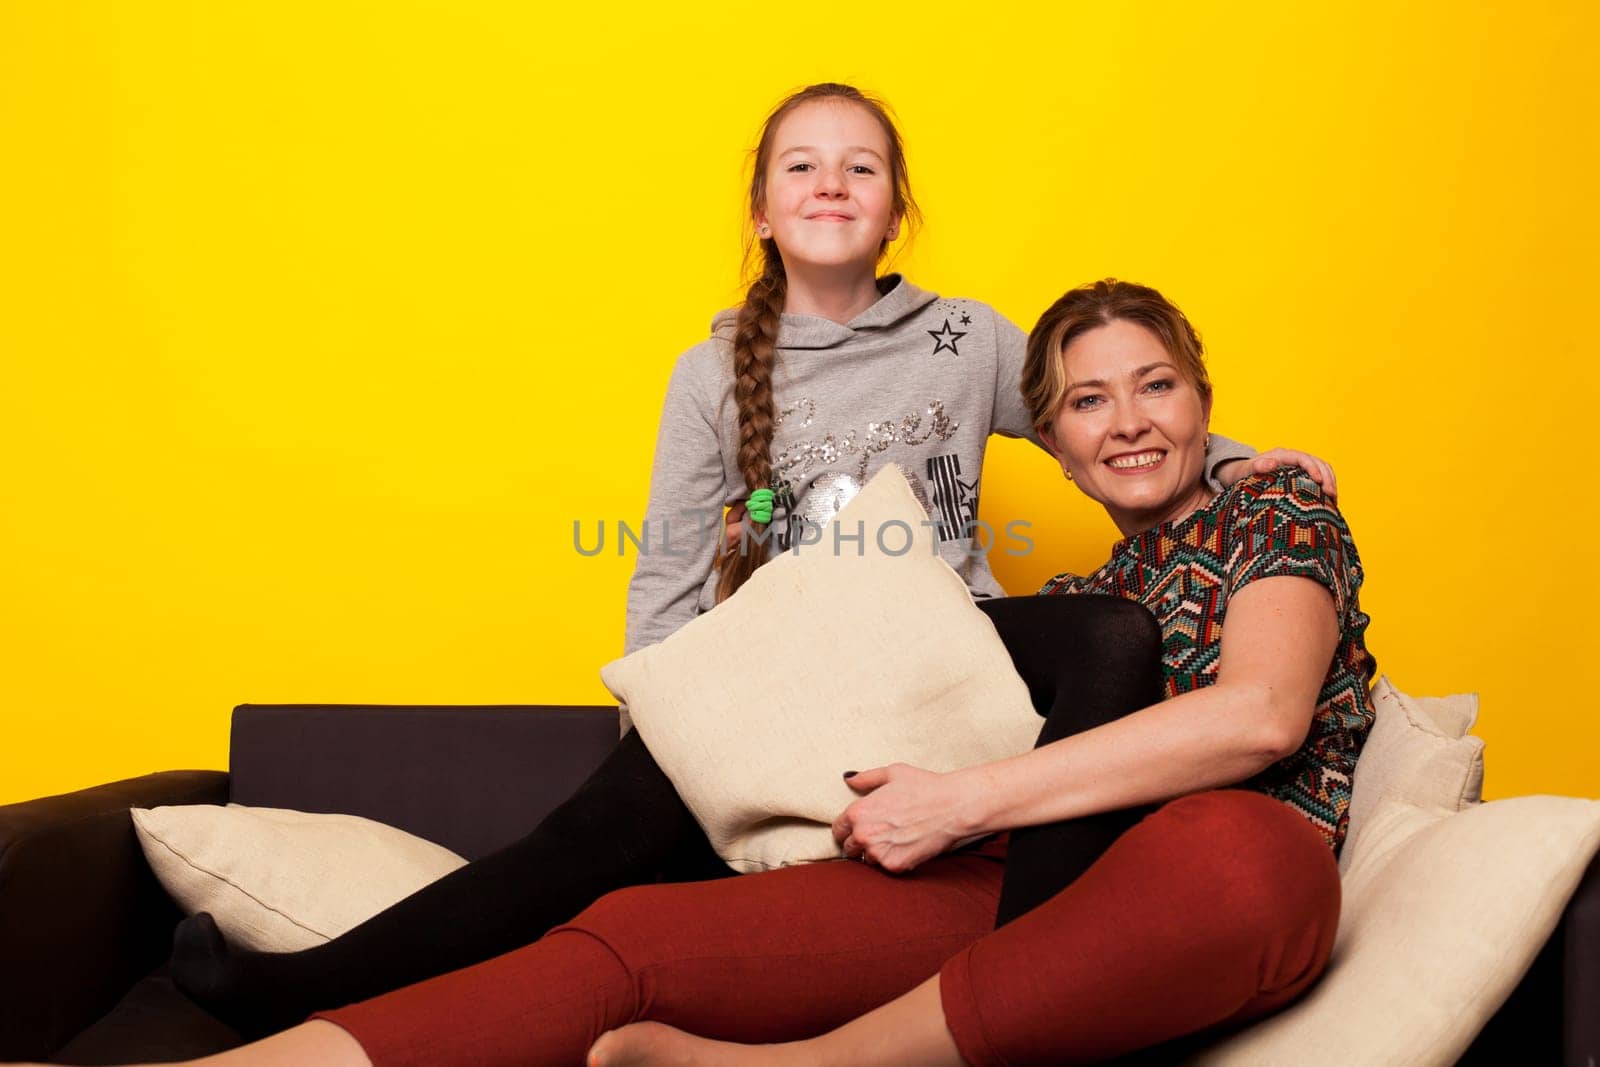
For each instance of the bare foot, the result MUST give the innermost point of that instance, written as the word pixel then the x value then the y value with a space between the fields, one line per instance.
pixel 660 1045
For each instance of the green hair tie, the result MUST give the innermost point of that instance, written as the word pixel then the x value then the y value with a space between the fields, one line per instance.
pixel 759 506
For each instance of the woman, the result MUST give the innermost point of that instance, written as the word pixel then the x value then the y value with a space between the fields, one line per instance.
pixel 1217 906
pixel 873 371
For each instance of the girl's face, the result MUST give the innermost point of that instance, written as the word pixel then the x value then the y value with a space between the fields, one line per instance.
pixel 1132 429
pixel 829 195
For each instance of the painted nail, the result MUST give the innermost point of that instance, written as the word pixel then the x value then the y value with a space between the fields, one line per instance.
pixel 851 774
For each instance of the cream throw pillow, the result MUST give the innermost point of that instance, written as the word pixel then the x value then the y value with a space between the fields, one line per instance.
pixel 1442 915
pixel 280 880
pixel 1418 752
pixel 825 661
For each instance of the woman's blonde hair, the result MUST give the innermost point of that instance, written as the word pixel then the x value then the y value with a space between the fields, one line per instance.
pixel 1044 376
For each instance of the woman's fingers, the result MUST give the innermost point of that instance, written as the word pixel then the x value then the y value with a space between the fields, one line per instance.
pixel 845 825
pixel 854 849
pixel 866 781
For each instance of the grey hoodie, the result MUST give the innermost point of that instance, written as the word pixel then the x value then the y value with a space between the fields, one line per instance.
pixel 915 380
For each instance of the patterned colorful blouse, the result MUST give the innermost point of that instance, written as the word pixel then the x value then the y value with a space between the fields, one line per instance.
pixel 1264 526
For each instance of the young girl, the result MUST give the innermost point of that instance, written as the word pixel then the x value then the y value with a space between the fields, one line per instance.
pixel 872 371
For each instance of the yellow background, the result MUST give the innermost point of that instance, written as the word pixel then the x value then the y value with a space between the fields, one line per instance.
pixel 321 323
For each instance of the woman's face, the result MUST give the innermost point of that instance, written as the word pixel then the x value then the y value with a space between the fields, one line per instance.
pixel 1131 430
pixel 830 195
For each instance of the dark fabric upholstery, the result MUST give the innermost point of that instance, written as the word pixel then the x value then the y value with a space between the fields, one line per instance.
pixel 1580 943
pixel 1553 1015
pixel 1528 1026
pixel 154 1023
pixel 81 916
pixel 469 778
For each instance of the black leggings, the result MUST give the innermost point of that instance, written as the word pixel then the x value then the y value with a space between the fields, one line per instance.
pixel 1086 660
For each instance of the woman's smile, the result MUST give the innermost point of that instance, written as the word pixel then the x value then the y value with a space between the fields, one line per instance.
pixel 1136 462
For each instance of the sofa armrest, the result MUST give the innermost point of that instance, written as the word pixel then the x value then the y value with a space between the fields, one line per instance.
pixel 1580 931
pixel 81 916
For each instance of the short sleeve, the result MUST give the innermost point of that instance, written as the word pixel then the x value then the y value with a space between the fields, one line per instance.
pixel 1064 584
pixel 1221 450
pixel 1282 525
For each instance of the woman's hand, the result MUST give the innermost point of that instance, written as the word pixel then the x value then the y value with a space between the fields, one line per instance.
pixel 1319 470
pixel 905 816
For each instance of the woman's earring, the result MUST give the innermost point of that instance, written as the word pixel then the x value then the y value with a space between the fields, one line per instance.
pixel 763 230
pixel 1208 442
pixel 1067 473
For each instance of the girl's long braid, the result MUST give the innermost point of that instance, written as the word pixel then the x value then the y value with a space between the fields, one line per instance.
pixel 755 351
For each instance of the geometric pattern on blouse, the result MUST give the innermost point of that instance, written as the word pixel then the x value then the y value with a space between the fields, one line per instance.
pixel 1264 526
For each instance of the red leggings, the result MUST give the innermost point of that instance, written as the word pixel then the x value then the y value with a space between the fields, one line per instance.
pixel 1216 908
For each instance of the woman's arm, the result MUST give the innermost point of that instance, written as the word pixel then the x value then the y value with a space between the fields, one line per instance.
pixel 1279 639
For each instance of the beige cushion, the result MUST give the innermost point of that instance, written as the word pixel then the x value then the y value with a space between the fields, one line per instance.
pixel 1442 916
pixel 282 880
pixel 1418 752
pixel 825 662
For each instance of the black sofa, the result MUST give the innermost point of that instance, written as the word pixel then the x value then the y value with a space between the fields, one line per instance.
pixel 85 928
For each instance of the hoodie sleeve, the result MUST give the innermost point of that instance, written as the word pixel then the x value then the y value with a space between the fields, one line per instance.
pixel 1010 416
pixel 683 519
pixel 1222 450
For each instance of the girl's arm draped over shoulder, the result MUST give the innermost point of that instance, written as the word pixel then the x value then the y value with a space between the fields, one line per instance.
pixel 683 519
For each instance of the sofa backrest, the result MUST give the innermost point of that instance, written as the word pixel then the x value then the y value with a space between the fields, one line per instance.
pixel 471 778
